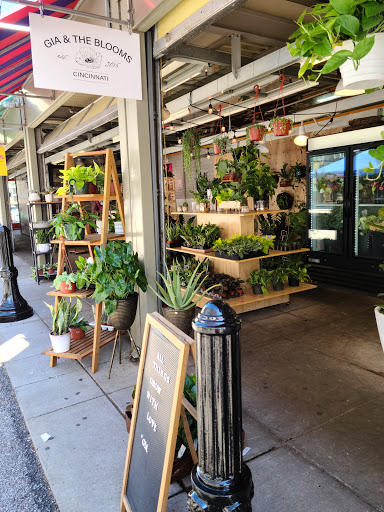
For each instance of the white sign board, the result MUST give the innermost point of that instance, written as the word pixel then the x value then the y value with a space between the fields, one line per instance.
pixel 78 57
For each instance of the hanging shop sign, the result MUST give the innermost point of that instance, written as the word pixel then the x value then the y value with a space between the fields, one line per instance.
pixel 156 416
pixel 3 162
pixel 79 57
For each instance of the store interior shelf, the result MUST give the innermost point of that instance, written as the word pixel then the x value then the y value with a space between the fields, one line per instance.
pixel 88 197
pixel 250 301
pixel 272 254
pixel 83 294
pixel 83 348
pixel 249 214
pixel 93 239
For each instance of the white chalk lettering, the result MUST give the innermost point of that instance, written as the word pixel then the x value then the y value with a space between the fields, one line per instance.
pixel 152 422
pixel 160 357
pixel 161 372
pixel 152 400
pixel 155 385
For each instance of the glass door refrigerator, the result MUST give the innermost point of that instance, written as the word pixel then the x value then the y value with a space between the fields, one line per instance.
pixel 342 201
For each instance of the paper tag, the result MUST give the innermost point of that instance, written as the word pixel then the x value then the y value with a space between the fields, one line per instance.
pixel 181 451
pixel 45 437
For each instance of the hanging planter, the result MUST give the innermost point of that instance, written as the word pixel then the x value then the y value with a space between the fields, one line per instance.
pixel 281 126
pixel 256 132
pixel 191 148
pixel 221 145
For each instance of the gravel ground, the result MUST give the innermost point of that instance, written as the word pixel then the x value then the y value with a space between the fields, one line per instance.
pixel 23 487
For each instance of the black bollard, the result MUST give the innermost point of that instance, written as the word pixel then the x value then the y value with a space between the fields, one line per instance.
pixel 12 307
pixel 221 482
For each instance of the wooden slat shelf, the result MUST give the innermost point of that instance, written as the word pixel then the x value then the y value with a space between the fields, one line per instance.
pixel 82 294
pixel 88 197
pixel 249 214
pixel 93 239
pixel 83 348
pixel 272 254
pixel 249 301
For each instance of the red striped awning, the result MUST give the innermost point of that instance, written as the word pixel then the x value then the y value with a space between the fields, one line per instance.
pixel 15 46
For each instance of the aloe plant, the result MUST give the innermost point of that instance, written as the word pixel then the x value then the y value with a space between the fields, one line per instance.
pixel 172 296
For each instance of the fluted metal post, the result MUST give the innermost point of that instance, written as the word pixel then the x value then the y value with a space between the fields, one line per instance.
pixel 12 307
pixel 221 482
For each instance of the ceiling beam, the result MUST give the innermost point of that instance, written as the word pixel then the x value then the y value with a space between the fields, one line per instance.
pixel 209 55
pixel 206 15
pixel 248 36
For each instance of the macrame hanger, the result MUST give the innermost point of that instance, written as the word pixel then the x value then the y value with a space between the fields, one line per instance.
pixel 65 255
pixel 257 89
pixel 281 95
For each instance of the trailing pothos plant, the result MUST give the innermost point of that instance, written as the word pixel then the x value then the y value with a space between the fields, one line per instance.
pixel 255 126
pixel 191 148
pixel 115 272
pixel 332 23
pixel 223 142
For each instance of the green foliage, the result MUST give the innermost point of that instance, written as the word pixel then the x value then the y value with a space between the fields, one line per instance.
pixel 172 295
pixel 298 224
pixel 298 270
pixel 223 142
pixel 64 278
pixel 172 232
pixel 42 236
pixel 191 145
pixel 286 174
pixel 80 174
pixel 242 245
pixel 185 266
pixel 333 220
pixel 279 275
pixel 285 121
pixel 185 204
pixel 64 315
pixel 299 172
pixel 203 235
pixel 331 24
pixel 49 190
pixel 77 218
pixel 115 272
pixel 284 201
pixel 41 267
pixel 260 127
pixel 261 276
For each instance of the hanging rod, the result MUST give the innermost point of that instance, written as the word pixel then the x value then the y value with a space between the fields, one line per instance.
pixel 73 12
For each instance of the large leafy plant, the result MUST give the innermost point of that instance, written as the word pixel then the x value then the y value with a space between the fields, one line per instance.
pixel 80 174
pixel 262 277
pixel 331 24
pixel 64 315
pixel 77 218
pixel 202 235
pixel 172 295
pixel 115 272
pixel 242 245
pixel 191 148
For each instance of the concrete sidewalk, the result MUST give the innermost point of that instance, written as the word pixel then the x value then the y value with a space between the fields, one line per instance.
pixel 313 393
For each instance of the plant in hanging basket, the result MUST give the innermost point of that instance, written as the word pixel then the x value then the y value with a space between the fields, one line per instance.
pixel 221 145
pixel 286 176
pixel 284 201
pixel 280 126
pixel 255 132
pixel 191 148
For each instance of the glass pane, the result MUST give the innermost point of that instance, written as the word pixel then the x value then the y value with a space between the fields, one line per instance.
pixel 369 208
pixel 327 175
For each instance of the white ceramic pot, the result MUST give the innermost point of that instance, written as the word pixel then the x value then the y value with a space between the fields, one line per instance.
pixel 43 248
pixel 61 344
pixel 370 73
pixel 245 209
pixel 98 224
pixel 110 328
pixel 48 198
pixel 380 324
pixel 179 209
pixel 230 205
pixel 119 228
pixel 104 327
pixel 34 197
pixel 194 206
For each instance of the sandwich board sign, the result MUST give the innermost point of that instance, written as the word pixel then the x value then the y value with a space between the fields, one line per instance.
pixel 79 57
pixel 156 415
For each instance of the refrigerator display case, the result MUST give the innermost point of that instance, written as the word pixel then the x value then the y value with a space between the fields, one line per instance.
pixel 345 214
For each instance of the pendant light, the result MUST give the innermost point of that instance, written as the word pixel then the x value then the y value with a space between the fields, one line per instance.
pixel 344 91
pixel 301 139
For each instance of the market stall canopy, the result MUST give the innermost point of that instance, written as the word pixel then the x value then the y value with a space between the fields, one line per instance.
pixel 15 45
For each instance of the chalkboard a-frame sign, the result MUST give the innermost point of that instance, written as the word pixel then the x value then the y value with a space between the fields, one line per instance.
pixel 155 418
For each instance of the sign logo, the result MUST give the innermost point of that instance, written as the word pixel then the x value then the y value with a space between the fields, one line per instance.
pixel 78 57
pixel 3 163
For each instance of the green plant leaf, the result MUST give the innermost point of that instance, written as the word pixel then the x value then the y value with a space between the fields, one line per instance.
pixel 342 6
pixel 372 8
pixel 370 23
pixel 350 25
pixel 377 153
pixel 324 49
pixel 335 61
pixel 370 91
pixel 363 48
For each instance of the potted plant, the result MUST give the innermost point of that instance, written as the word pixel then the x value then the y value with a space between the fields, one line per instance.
pixel 221 145
pixel 71 223
pixel 201 236
pixel 191 148
pixel 115 272
pixel 299 172
pixel 34 196
pixel 343 32
pixel 41 270
pixel 61 320
pixel 260 279
pixel 297 273
pixel 49 194
pixel 241 247
pixel 255 132
pixel 65 282
pixel 42 241
pixel 185 206
pixel 51 268
pixel 82 177
pixel 281 126
pixel 99 222
pixel 172 235
pixel 78 326
pixel 286 176
pixel 284 201
pixel 179 308
pixel 117 222
pixel 279 277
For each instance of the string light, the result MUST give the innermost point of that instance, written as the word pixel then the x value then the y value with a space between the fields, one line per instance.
pixel 234 140
pixel 210 109
pixel 223 129
pixel 179 141
pixel 208 155
pixel 191 154
pixel 171 127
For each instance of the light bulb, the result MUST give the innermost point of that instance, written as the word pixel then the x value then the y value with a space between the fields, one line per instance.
pixel 269 128
pixel 290 131
pixel 208 155
pixel 171 127
pixel 301 139
pixel 179 141
pixel 223 129
pixel 210 109
pixel 222 92
pixel 191 154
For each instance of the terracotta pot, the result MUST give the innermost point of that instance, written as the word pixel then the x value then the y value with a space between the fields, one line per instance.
pixel 255 134
pixel 181 319
pixel 40 272
pixel 216 149
pixel 51 271
pixel 77 333
pixel 67 288
pixel 279 130
pixel 125 313
pixel 93 189
pixel 287 183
